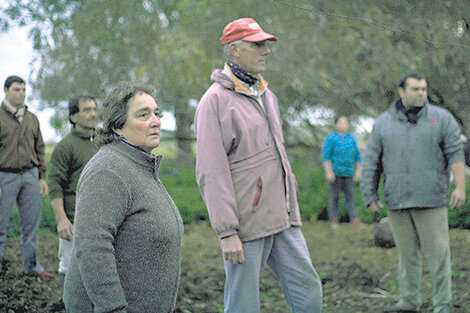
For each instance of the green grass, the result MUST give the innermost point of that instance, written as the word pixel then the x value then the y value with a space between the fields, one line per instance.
pixel 181 185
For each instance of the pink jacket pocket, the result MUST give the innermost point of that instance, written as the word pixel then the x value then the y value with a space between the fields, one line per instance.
pixel 258 190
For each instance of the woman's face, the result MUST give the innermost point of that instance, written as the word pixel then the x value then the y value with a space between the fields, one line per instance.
pixel 342 125
pixel 142 126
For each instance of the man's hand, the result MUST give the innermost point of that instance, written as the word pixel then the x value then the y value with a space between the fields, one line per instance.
pixel 457 198
pixel 375 205
pixel 330 176
pixel 44 191
pixel 232 249
pixel 65 229
pixel 357 177
pixel 358 174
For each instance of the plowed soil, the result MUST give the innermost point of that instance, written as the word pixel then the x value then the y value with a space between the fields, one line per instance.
pixel 356 275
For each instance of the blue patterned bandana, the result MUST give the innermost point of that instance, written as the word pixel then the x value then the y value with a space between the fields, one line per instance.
pixel 241 74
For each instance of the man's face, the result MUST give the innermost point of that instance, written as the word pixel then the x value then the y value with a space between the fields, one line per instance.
pixel 85 118
pixel 251 56
pixel 415 92
pixel 16 94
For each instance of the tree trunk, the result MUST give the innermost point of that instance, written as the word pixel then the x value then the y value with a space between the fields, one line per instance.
pixel 466 131
pixel 465 118
pixel 183 134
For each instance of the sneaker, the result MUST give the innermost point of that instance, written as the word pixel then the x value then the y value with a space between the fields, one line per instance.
pixel 356 223
pixel 41 274
pixel 334 224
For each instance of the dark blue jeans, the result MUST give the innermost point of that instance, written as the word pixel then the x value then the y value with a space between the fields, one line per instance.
pixel 346 185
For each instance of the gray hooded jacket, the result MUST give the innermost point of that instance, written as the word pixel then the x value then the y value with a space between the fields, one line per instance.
pixel 413 157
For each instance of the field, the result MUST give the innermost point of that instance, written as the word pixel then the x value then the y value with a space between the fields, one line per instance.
pixel 356 276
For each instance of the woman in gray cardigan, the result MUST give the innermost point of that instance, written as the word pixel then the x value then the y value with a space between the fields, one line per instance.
pixel 128 231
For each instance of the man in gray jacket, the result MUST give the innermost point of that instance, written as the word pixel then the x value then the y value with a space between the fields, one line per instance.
pixel 246 180
pixel 414 145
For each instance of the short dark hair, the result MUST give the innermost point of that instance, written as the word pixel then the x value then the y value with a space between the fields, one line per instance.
pixel 115 107
pixel 404 78
pixel 74 104
pixel 337 117
pixel 13 79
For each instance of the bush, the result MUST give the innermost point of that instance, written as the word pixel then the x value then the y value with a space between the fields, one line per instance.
pixel 180 181
pixel 314 193
pixel 460 218
pixel 182 187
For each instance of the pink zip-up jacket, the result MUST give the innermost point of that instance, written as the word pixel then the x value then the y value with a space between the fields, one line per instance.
pixel 242 169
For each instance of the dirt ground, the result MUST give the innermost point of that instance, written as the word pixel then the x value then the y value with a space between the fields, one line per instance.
pixel 356 276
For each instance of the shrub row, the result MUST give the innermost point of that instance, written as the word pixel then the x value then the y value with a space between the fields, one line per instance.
pixel 313 196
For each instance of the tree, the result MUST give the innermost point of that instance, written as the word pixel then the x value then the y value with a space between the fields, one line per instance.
pixel 335 56
pixel 88 46
pixel 351 66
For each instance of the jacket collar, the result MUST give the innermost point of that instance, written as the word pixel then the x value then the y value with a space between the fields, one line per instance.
pixel 75 132
pixel 399 114
pixel 10 108
pixel 230 81
pixel 148 160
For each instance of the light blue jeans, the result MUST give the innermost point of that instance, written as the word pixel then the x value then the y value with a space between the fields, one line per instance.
pixel 24 190
pixel 287 255
pixel 65 255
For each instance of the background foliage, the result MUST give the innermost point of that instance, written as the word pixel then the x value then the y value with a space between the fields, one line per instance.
pixel 335 55
pixel 332 57
pixel 181 184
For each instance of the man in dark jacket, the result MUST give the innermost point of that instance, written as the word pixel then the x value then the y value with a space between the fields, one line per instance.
pixel 415 145
pixel 68 159
pixel 22 172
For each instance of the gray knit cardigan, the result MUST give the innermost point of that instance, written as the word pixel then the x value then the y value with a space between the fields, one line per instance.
pixel 127 241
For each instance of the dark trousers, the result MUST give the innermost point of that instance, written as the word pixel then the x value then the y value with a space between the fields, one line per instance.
pixel 346 185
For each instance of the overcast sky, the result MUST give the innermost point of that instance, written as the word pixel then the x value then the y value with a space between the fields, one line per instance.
pixel 16 53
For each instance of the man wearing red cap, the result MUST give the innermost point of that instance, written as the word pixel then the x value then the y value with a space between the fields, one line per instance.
pixel 246 180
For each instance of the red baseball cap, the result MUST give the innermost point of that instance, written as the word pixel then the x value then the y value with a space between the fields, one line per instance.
pixel 246 29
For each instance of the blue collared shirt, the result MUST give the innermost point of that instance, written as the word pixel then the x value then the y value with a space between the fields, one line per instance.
pixel 343 153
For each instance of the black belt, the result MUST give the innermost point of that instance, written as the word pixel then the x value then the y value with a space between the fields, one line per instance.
pixel 16 170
